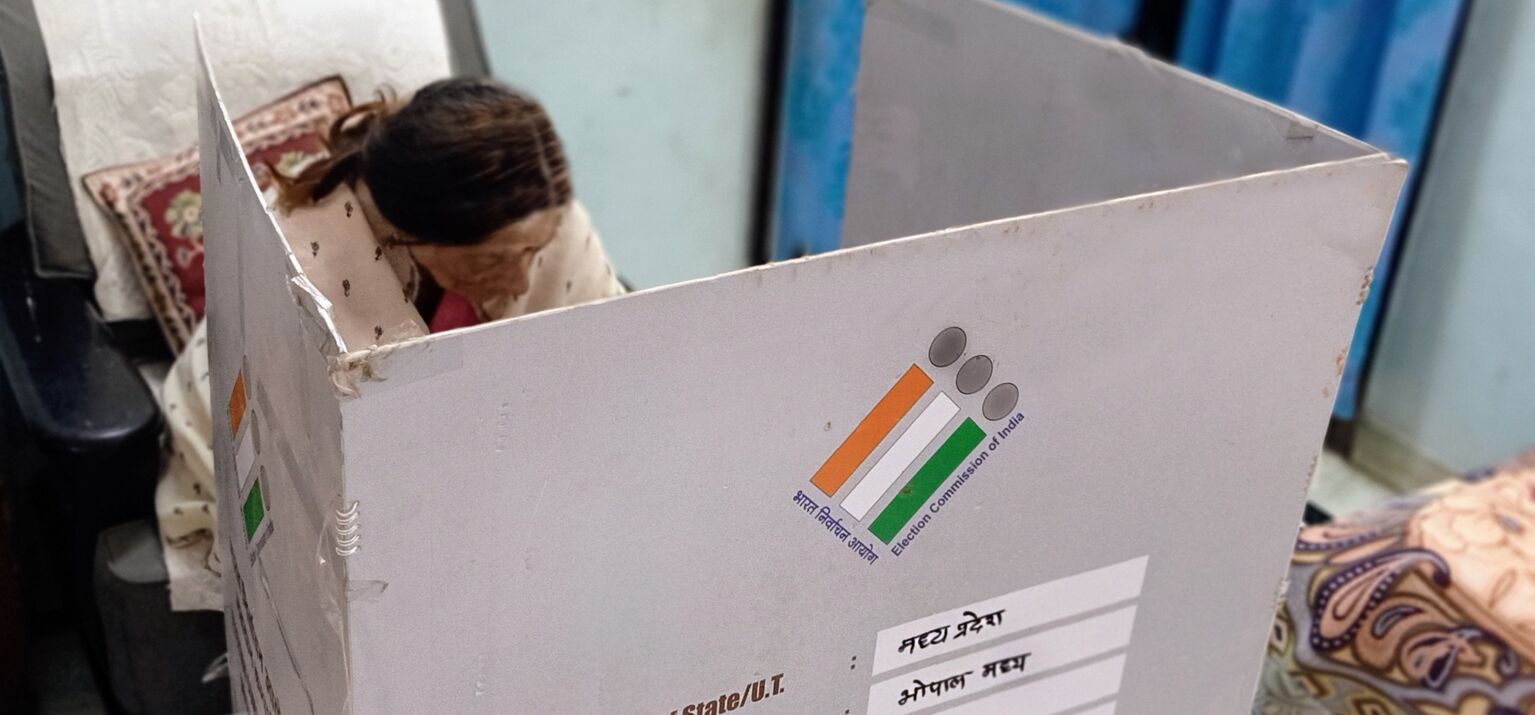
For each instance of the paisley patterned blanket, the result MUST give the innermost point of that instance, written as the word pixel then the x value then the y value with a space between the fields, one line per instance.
pixel 1425 605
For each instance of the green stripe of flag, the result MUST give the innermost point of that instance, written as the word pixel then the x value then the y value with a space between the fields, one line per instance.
pixel 927 480
pixel 254 511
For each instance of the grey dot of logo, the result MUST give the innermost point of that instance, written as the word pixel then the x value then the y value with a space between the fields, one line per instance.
pixel 973 375
pixel 947 347
pixel 1000 401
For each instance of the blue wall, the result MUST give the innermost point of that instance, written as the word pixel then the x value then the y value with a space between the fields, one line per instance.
pixel 1454 372
pixel 660 106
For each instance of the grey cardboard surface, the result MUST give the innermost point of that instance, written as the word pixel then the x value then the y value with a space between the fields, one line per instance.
pixel 975 111
pixel 281 589
pixel 593 510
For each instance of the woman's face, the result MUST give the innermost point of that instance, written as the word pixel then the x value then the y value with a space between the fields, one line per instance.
pixel 495 268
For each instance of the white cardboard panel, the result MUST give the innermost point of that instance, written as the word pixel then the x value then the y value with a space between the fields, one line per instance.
pixel 280 584
pixel 608 524
pixel 602 508
pixel 976 111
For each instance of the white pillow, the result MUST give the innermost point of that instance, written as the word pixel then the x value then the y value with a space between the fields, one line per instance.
pixel 124 77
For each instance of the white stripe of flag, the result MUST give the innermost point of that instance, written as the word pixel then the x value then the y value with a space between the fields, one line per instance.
pixel 899 457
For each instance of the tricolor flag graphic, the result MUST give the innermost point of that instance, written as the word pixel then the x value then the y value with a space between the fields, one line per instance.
pixel 932 424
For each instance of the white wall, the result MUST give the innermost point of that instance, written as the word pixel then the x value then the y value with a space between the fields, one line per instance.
pixel 659 104
pixel 1454 374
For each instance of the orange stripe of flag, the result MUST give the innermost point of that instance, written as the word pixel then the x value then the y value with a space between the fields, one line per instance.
pixel 237 403
pixel 871 431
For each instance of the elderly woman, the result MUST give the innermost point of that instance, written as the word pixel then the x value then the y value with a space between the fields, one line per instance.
pixel 470 178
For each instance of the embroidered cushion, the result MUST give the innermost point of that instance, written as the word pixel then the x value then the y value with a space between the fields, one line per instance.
pixel 156 204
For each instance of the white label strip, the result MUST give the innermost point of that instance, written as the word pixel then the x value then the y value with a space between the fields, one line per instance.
pixel 1020 610
pixel 1002 664
pixel 894 462
pixel 1104 709
pixel 1053 695
pixel 245 453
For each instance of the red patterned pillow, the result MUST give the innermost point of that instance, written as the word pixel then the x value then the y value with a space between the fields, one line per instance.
pixel 157 204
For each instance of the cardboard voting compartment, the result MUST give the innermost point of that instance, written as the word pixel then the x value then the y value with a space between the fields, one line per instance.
pixel 1040 449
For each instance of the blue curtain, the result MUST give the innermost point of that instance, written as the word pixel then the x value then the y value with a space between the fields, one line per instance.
pixel 816 121
pixel 815 125
pixel 1370 68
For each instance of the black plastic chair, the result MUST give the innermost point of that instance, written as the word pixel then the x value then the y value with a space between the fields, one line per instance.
pixel 82 431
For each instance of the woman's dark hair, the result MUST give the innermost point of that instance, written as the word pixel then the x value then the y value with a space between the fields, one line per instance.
pixel 460 160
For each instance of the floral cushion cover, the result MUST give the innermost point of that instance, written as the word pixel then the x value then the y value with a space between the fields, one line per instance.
pixel 157 204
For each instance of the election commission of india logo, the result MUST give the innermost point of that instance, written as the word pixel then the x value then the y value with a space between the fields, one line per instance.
pixel 880 462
